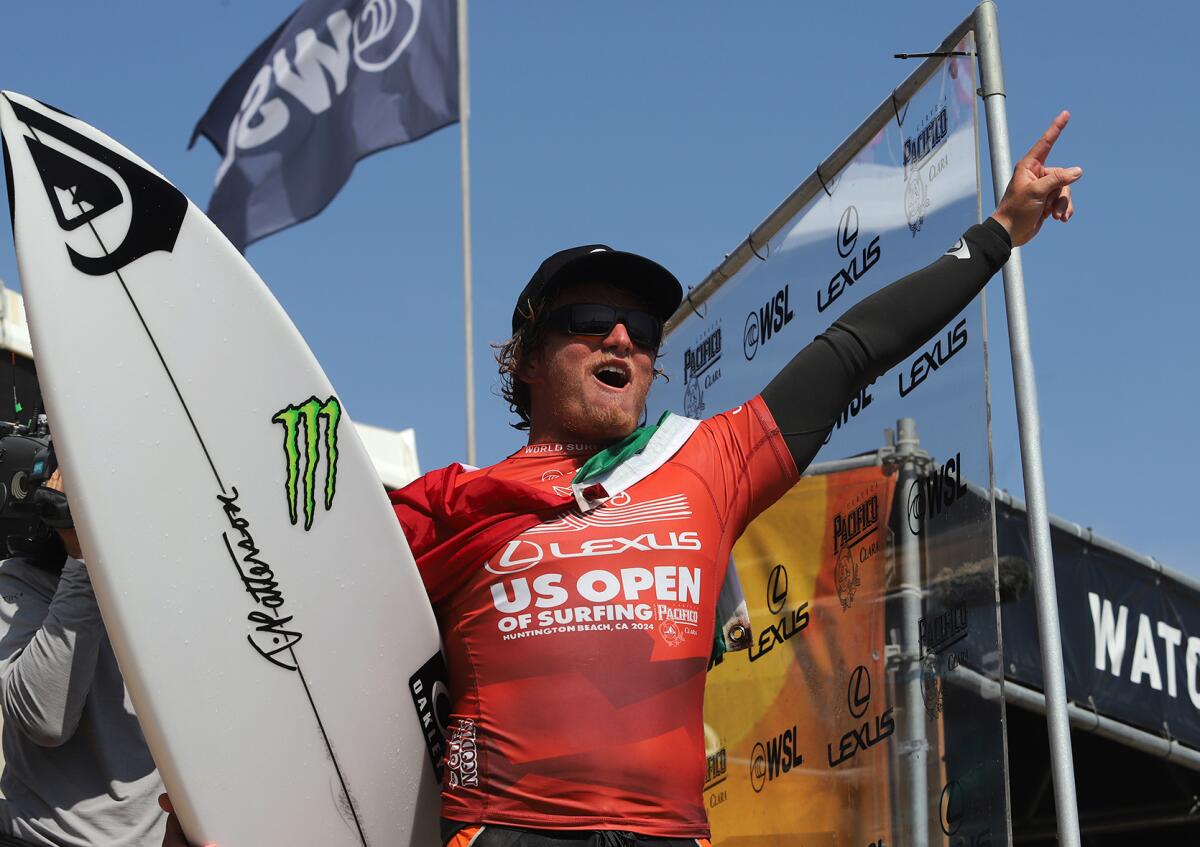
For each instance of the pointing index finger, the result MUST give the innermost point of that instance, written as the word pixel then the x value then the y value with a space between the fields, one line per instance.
pixel 1041 148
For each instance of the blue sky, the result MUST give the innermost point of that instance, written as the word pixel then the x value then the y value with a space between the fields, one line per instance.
pixel 671 129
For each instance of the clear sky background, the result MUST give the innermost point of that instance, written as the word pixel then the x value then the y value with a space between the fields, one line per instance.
pixel 672 129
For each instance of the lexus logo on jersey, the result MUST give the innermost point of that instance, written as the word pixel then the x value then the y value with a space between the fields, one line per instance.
pixel 112 210
pixel 847 232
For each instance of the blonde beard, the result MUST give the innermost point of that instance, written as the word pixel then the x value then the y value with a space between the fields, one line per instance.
pixel 598 426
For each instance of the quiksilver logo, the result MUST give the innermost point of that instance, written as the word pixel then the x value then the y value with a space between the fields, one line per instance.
pixel 112 210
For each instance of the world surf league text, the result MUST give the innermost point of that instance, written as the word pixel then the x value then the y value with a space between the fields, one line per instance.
pixel 270 637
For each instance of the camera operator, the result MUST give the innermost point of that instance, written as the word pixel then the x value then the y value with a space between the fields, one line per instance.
pixel 77 770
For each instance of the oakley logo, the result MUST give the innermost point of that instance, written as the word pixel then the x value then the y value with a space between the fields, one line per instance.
pixel 302 459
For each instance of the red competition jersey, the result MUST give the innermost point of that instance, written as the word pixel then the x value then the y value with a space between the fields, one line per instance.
pixel 578 651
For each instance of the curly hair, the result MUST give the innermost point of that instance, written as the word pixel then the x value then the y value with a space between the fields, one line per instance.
pixel 529 338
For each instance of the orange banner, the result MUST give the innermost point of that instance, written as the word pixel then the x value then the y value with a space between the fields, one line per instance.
pixel 800 725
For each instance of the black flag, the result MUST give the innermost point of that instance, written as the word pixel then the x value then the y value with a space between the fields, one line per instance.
pixel 339 80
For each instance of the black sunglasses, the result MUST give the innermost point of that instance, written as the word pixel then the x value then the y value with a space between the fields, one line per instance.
pixel 645 330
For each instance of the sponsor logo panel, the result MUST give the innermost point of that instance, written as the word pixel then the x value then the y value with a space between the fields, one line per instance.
pixel 939 636
pixel 874 728
pixel 928 495
pixel 701 370
pixel 928 361
pixel 716 772
pixel 775 757
pixel 766 322
pixel 431 699
pixel 931 133
pixel 860 261
pixel 788 625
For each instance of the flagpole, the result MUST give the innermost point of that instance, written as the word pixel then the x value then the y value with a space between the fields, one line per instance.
pixel 464 116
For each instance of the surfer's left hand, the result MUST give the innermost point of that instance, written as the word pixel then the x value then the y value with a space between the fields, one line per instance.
pixel 173 837
pixel 70 538
pixel 1037 191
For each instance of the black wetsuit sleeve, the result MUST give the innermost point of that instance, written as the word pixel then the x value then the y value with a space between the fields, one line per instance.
pixel 875 335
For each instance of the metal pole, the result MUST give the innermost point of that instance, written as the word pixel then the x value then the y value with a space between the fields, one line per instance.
pixel 913 745
pixel 464 118
pixel 987 34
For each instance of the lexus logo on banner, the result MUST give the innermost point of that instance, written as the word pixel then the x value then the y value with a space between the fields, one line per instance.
pixel 847 232
pixel 777 589
pixel 858 692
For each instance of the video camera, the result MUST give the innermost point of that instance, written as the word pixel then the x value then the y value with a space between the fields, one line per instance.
pixel 26 461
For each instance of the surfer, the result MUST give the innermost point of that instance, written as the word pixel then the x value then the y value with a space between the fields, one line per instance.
pixel 575 582
pixel 77 769
pixel 561 733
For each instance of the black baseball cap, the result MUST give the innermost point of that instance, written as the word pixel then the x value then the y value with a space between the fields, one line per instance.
pixel 601 263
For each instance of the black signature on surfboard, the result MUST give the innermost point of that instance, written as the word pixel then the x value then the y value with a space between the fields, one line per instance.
pixel 271 637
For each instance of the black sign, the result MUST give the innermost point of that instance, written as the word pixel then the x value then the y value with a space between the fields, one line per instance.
pixel 1130 634
pixel 431 699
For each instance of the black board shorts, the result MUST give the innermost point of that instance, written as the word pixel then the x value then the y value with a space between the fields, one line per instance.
pixel 456 834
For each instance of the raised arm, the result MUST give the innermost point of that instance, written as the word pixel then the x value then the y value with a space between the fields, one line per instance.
pixel 873 336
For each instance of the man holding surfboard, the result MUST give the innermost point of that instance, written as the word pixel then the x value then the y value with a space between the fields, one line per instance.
pixel 575 582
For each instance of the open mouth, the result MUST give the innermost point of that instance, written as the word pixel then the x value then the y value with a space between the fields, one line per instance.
pixel 612 376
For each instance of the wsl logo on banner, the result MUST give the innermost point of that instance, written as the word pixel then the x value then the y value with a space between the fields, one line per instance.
pixel 766 322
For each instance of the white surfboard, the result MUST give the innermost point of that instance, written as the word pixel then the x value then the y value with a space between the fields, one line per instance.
pixel 265 610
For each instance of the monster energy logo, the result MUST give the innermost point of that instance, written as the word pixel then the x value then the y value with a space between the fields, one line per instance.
pixel 306 418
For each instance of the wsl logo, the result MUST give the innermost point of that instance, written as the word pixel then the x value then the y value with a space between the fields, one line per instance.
pixel 302 458
pixel 766 322
pixel 374 40
pixel 774 758
pixel 111 210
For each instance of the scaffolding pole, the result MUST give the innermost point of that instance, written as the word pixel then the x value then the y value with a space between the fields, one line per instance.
pixel 987 36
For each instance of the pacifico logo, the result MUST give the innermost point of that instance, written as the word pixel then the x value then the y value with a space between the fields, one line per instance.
pixel 303 457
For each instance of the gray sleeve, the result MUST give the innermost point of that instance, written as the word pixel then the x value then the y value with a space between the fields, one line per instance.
pixel 50 639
